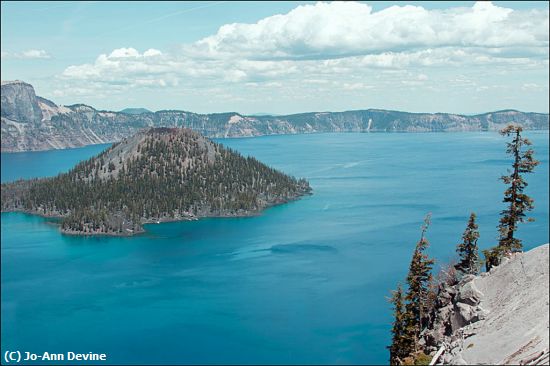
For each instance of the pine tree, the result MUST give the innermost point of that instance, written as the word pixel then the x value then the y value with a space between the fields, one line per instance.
pixel 518 202
pixel 418 281
pixel 398 349
pixel 468 250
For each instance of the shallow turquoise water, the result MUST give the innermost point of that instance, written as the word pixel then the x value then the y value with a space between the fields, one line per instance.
pixel 303 283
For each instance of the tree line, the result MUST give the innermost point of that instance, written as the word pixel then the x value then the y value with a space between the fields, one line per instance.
pixel 412 304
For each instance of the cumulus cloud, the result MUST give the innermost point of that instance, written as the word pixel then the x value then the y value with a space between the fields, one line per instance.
pixel 151 52
pixel 337 29
pixel 133 53
pixel 346 45
pixel 124 52
pixel 129 66
pixel 122 65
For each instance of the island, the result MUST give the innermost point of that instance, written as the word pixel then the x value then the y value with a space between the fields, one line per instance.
pixel 157 175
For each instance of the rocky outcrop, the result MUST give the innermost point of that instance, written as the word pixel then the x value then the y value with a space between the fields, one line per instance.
pixel 34 123
pixel 19 103
pixel 500 317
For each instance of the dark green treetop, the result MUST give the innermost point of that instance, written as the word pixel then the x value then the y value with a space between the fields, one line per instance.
pixel 468 250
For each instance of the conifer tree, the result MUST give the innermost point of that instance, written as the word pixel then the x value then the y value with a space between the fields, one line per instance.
pixel 518 202
pixel 468 250
pixel 398 349
pixel 418 281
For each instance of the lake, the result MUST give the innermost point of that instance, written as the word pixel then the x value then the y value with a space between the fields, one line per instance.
pixel 304 282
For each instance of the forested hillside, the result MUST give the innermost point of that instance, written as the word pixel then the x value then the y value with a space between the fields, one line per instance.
pixel 157 175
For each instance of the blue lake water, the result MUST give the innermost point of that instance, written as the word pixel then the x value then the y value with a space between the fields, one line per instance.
pixel 304 282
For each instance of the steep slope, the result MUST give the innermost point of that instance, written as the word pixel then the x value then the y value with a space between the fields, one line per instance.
pixel 500 317
pixel 161 174
pixel 33 123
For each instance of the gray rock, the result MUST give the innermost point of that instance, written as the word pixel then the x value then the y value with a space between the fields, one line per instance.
pixel 467 278
pixel 445 312
pixel 445 298
pixel 481 313
pixel 19 103
pixel 500 317
pixel 447 358
pixel 469 294
pixel 467 313
pixel 458 360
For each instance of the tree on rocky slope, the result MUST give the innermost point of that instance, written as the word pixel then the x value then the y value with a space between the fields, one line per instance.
pixel 398 348
pixel 418 280
pixel 518 202
pixel 468 250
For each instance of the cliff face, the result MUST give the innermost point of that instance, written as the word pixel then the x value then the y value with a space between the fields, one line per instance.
pixel 498 318
pixel 19 103
pixel 33 123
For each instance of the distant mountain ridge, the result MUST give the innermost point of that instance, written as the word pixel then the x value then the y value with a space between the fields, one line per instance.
pixel 135 110
pixel 30 122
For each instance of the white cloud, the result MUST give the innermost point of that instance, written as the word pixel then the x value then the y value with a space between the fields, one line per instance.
pixel 124 65
pixel 128 65
pixel 34 54
pixel 337 38
pixel 132 53
pixel 334 46
pixel 28 54
pixel 151 53
pixel 124 52
pixel 327 30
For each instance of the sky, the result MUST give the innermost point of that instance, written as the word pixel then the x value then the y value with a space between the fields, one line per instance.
pixel 281 57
